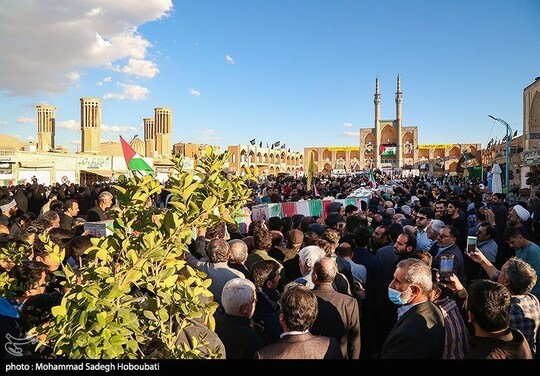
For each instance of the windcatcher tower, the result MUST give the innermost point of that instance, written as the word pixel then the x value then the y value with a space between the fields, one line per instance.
pixel 91 125
pixel 163 127
pixel 46 117
pixel 149 137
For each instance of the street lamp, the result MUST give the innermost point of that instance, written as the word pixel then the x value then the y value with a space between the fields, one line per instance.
pixel 508 135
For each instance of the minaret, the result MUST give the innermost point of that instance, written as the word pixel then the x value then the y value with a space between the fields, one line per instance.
pixel 399 121
pixel 163 127
pixel 149 137
pixel 46 117
pixel 377 102
pixel 90 125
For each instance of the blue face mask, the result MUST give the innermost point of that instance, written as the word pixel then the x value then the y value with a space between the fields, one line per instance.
pixel 395 296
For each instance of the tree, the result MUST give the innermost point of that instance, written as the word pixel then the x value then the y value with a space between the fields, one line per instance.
pixel 138 295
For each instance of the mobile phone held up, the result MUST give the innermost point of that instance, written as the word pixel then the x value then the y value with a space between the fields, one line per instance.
pixel 471 244
pixel 447 266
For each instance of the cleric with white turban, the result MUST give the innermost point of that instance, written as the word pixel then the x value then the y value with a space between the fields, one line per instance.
pixel 522 213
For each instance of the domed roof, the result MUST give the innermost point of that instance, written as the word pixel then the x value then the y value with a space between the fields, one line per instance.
pixel 10 143
pixel 115 148
pixel 138 145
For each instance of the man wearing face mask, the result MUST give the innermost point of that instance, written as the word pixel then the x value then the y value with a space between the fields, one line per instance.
pixel 419 332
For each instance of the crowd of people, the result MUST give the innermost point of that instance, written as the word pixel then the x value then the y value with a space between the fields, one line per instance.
pixel 354 283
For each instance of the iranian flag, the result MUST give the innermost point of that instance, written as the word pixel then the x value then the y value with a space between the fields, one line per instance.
pixel 134 161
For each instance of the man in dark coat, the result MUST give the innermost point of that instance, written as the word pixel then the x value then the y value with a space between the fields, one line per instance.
pixel 419 332
pixel 298 313
pixel 338 315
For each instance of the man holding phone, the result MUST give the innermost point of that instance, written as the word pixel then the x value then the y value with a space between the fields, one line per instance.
pixel 446 242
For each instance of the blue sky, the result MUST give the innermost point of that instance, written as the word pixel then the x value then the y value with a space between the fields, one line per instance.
pixel 298 71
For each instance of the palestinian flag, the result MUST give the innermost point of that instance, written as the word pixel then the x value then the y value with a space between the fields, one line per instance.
pixel 134 161
pixel 387 150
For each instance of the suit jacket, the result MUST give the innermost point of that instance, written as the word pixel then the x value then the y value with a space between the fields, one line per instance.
pixel 338 317
pixel 301 346
pixel 240 339
pixel 418 334
pixel 66 222
pixel 96 214
pixel 218 272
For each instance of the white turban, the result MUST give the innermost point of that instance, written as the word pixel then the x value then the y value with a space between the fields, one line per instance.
pixel 9 205
pixel 522 213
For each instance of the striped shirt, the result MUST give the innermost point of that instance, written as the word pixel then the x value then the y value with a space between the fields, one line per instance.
pixel 457 336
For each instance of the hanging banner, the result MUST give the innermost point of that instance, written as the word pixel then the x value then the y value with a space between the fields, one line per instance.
pixel 435 146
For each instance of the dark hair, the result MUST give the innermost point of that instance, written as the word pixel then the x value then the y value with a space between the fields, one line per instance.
pixel 78 245
pixel 428 212
pixel 490 303
pixel 520 275
pixel 286 224
pixel 262 239
pixel 394 230
pixel 361 236
pixel 411 240
pixel 27 274
pixel 217 250
pixel 351 223
pixel 264 271
pixel 344 250
pixel 511 232
pixel 305 222
pixel 350 209
pixel 275 223
pixel 69 204
pixel 299 307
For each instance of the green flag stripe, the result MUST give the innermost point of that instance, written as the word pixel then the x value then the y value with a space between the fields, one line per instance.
pixel 139 164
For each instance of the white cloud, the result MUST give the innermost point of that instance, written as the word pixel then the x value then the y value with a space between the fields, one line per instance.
pixel 135 92
pixel 69 124
pixel 88 34
pixel 94 12
pixel 117 129
pixel 350 134
pixel 3 122
pixel 347 125
pixel 105 80
pixel 76 142
pixel 229 59
pixel 208 135
pixel 194 93
pixel 140 68
pixel 74 76
pixel 25 120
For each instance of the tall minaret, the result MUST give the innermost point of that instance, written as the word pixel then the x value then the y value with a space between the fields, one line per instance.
pixel 163 126
pixel 377 102
pixel 46 117
pixel 90 125
pixel 149 137
pixel 399 121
